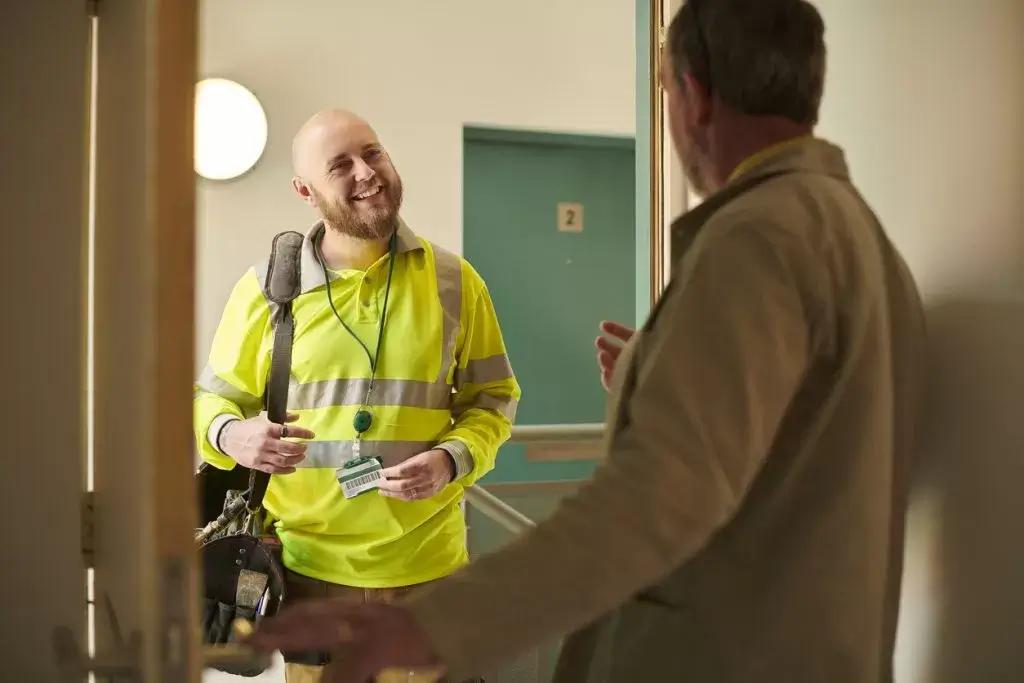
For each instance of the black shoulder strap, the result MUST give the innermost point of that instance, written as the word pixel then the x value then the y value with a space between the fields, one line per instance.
pixel 284 282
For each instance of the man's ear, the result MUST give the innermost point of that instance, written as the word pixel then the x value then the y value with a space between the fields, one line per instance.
pixel 698 101
pixel 302 189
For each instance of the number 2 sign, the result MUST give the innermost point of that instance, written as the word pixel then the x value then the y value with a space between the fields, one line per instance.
pixel 570 217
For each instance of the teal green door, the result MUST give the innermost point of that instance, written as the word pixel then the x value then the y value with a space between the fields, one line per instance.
pixel 548 220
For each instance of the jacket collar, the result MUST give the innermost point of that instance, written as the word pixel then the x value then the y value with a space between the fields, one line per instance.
pixel 810 155
pixel 312 274
pixel 768 152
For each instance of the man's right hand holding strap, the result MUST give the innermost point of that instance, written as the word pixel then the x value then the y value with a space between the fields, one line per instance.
pixel 259 444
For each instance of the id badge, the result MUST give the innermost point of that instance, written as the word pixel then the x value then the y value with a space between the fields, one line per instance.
pixel 359 476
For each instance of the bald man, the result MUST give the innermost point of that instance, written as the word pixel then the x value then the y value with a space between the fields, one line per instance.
pixel 401 388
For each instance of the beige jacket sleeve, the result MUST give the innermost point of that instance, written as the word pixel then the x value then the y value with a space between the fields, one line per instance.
pixel 710 382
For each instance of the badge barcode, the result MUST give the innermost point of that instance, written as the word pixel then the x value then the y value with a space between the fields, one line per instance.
pixel 365 479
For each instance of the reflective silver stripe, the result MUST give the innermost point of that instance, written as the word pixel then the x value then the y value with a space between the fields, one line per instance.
pixel 209 382
pixel 407 239
pixel 492 369
pixel 461 456
pixel 261 269
pixel 449 291
pixel 386 392
pixel 505 405
pixel 336 453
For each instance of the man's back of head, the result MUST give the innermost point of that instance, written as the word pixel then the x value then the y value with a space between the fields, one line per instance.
pixel 760 57
pixel 741 75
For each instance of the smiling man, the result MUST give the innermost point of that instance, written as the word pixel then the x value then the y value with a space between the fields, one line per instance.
pixel 399 377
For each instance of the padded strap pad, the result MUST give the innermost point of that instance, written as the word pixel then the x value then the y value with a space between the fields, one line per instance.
pixel 284 274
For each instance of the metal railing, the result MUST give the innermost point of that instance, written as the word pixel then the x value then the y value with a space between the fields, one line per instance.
pixel 536 665
pixel 583 432
pixel 498 510
pixel 501 512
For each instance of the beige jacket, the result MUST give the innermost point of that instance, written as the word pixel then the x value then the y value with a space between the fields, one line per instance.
pixel 747 524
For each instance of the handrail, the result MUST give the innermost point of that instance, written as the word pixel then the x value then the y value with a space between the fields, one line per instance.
pixel 498 510
pixel 582 432
pixel 501 512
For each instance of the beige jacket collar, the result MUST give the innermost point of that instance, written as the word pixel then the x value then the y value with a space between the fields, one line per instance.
pixel 812 155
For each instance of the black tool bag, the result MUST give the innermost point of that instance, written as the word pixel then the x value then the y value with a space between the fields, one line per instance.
pixel 243 577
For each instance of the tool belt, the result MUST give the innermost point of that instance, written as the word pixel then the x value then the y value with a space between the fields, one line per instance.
pixel 243 577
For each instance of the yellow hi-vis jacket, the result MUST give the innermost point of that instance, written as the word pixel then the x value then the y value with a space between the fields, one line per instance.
pixel 443 381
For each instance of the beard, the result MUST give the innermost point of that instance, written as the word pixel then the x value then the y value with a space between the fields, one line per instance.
pixel 376 224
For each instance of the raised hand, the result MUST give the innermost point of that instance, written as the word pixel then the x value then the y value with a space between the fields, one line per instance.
pixel 609 345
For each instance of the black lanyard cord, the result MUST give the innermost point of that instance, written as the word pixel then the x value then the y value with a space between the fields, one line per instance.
pixel 374 357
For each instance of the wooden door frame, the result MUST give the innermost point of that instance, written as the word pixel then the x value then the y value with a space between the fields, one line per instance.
pixel 651 237
pixel 145 559
pixel 43 123
pixel 135 530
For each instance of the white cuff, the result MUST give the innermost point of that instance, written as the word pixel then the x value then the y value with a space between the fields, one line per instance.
pixel 218 424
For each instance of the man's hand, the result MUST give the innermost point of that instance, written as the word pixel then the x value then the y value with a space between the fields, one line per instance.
pixel 259 444
pixel 420 477
pixel 608 350
pixel 364 640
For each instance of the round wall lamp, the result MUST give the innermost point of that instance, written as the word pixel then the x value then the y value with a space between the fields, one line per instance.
pixel 230 129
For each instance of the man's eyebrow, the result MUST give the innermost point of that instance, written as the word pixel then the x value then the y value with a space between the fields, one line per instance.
pixel 337 158
pixel 341 156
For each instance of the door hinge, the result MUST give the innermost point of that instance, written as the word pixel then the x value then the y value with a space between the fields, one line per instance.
pixel 89 529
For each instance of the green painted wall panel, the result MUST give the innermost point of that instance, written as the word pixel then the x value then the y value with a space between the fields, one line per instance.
pixel 551 288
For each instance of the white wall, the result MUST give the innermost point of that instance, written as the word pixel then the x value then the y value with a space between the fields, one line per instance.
pixel 417 71
pixel 928 100
pixel 965 604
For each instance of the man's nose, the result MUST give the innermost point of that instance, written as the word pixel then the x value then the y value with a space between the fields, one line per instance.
pixel 361 171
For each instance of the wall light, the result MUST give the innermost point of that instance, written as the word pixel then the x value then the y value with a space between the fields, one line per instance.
pixel 231 129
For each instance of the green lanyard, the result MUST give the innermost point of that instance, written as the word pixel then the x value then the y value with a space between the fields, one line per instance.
pixel 364 418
